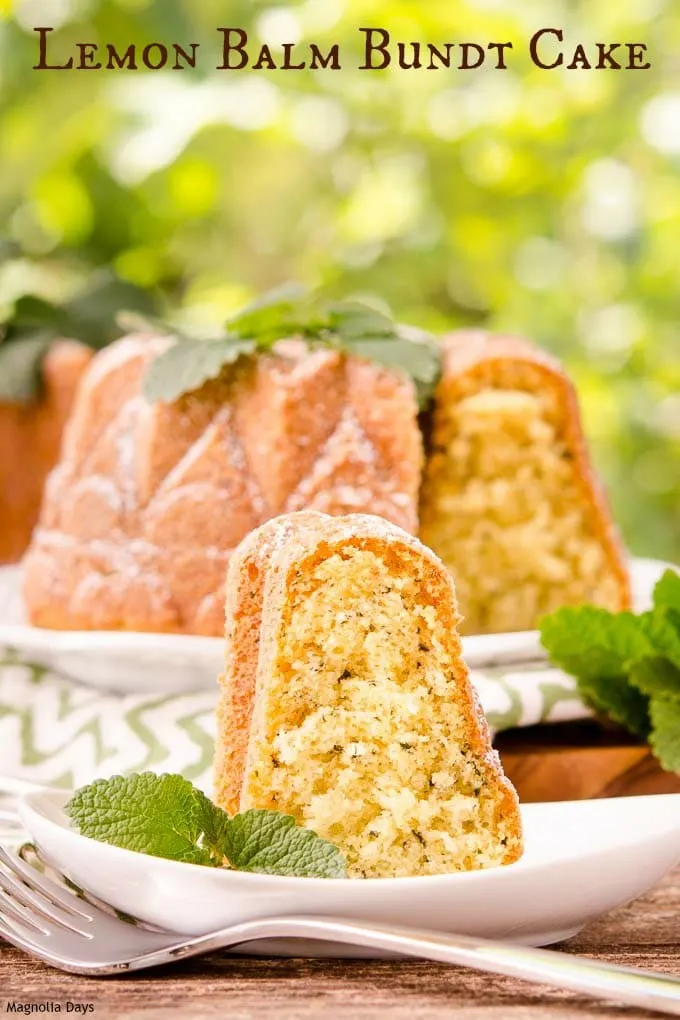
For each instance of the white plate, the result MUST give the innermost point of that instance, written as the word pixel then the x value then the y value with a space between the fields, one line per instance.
pixel 175 663
pixel 582 858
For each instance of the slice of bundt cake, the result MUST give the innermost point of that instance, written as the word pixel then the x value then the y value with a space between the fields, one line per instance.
pixel 346 703
pixel 148 500
pixel 509 498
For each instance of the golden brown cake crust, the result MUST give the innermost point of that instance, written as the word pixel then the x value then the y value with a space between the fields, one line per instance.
pixel 148 501
pixel 259 575
pixel 485 358
pixel 246 578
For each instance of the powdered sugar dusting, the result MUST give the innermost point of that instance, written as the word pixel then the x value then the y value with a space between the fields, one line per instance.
pixel 347 452
pixel 125 446
pixel 158 560
pixel 106 488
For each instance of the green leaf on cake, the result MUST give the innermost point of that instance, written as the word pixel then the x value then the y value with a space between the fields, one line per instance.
pixel 419 360
pixel 187 364
pixel 274 315
pixel 165 816
pixel 354 320
pixel 271 843
pixel 287 312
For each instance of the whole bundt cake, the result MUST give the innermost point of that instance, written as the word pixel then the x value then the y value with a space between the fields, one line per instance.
pixel 509 500
pixel 148 500
pixel 346 703
pixel 141 514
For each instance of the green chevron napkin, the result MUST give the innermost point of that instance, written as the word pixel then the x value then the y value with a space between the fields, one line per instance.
pixel 57 732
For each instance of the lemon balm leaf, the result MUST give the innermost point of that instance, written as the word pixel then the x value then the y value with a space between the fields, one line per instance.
pixel 352 327
pixel 665 737
pixel 626 666
pixel 163 816
pixel 272 843
pixel 187 364
pixel 667 591
pixel 655 675
pixel 590 642
pixel 166 816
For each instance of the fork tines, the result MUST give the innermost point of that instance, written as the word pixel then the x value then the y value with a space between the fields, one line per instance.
pixel 32 900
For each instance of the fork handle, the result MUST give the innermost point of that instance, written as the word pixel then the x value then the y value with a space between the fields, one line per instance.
pixel 561 970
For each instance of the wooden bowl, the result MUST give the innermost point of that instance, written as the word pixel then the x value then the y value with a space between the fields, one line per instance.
pixel 579 761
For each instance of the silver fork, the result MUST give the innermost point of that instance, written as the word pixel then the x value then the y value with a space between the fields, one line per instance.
pixel 59 926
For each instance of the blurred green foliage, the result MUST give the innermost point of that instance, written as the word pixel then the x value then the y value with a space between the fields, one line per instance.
pixel 542 202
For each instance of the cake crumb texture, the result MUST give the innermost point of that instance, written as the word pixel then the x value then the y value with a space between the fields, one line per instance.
pixel 363 724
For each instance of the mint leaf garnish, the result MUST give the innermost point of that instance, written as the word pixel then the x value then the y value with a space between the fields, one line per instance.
pixel 626 666
pixel 159 815
pixel 187 364
pixel 590 642
pixel 419 360
pixel 349 326
pixel 613 696
pixel 272 843
pixel 656 675
pixel 662 629
pixel 275 315
pixel 165 816
pixel 354 320
pixel 667 591
pixel 665 738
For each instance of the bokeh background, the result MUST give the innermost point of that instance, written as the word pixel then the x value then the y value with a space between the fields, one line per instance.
pixel 542 202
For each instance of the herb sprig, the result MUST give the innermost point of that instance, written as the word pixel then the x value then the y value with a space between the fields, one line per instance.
pixel 627 666
pixel 349 326
pixel 166 816
pixel 31 323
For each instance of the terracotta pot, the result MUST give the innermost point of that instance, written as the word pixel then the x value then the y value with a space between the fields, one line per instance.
pixel 30 436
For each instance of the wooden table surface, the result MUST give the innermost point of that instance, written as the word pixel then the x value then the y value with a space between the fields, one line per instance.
pixel 644 934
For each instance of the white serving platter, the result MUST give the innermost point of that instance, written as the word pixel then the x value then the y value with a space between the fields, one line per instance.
pixel 581 859
pixel 174 663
